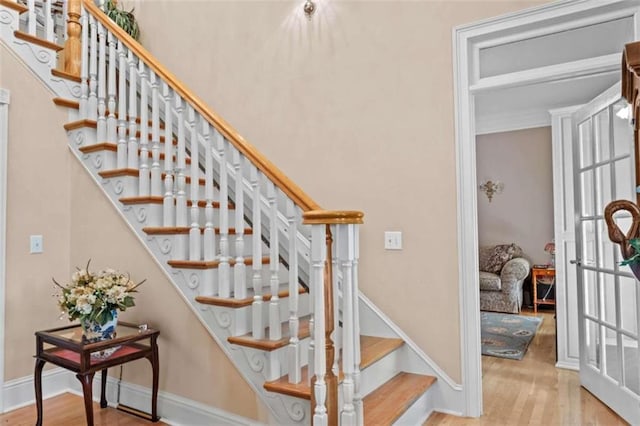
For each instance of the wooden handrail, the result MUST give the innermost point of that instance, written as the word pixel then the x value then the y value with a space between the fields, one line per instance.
pixel 332 217
pixel 285 184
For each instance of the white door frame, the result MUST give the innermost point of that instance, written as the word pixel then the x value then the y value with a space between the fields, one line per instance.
pixel 465 51
pixel 4 139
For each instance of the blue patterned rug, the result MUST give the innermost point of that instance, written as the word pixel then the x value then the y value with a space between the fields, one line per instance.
pixel 507 335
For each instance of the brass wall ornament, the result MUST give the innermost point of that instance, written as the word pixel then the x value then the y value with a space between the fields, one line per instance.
pixel 491 188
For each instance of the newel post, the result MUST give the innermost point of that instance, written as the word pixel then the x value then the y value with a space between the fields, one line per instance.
pixel 73 45
pixel 324 384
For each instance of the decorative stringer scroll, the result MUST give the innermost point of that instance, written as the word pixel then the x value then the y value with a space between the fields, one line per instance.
pixel 630 88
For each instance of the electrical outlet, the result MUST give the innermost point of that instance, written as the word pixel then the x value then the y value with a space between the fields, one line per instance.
pixel 393 240
pixel 36 244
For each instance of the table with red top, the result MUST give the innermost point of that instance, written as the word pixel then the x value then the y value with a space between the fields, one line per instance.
pixel 67 348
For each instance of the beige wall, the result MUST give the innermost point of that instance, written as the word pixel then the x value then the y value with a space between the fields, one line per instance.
pixel 523 212
pixel 356 106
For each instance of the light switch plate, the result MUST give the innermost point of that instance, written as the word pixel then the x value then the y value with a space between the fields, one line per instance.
pixel 36 244
pixel 393 240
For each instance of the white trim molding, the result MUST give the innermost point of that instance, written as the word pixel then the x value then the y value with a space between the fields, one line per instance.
pixel 467 39
pixel 4 140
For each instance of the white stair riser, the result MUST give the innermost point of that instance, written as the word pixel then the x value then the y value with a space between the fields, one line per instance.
pixel 273 364
pixel 175 254
pixel 209 278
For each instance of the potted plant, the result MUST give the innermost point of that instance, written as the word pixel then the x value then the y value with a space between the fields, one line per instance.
pixel 95 298
pixel 122 18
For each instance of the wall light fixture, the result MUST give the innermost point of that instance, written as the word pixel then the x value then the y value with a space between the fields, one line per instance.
pixel 491 188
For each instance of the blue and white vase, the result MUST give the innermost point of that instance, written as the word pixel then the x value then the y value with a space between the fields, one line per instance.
pixel 95 331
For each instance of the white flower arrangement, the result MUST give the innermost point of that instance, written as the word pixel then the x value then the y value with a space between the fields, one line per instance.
pixel 93 296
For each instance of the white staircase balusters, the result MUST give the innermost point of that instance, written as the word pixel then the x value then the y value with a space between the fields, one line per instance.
pixel 92 104
pixel 357 396
pixel 239 268
pixel 101 133
pixel 194 232
pixel 169 201
pixel 112 122
pixel 257 327
pixel 84 68
pixel 275 330
pixel 144 182
pixel 294 366
pixel 338 289
pixel 181 197
pixel 224 270
pixel 48 22
pixel 209 238
pixel 318 258
pixel 156 172
pixel 345 257
pixel 121 153
pixel 132 147
pixel 31 17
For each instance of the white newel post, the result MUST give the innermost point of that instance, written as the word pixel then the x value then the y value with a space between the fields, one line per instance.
pixel 144 181
pixel 318 258
pixel 346 255
pixel 275 330
pixel 294 361
pixel 257 328
pixel 239 268
pixel 224 270
pixel 168 203
pixel 194 232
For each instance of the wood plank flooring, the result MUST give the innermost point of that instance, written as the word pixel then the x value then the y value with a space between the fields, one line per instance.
pixel 68 409
pixel 533 391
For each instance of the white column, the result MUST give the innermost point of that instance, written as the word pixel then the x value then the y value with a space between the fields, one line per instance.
pixel 318 258
pixel 194 232
pixel 239 268
pixel 4 135
pixel 294 361
pixel 168 204
pixel 357 397
pixel 345 257
pixel 224 271
pixel 257 329
pixel 144 181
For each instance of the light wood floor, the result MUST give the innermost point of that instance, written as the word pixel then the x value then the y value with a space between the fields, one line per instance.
pixel 533 391
pixel 68 410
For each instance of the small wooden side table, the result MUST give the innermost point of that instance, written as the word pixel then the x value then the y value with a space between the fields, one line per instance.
pixel 66 347
pixel 535 274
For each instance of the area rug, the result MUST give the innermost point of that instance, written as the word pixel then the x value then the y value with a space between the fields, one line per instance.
pixel 507 335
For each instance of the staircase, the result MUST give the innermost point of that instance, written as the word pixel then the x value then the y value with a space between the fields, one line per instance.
pixel 272 276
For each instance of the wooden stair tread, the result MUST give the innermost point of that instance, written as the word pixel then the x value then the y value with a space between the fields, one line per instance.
pixel 159 199
pixel 37 40
pixel 387 403
pixel 271 345
pixel 110 146
pixel 127 172
pixel 372 349
pixel 210 264
pixel 62 74
pixel 13 5
pixel 68 103
pixel 240 303
pixel 79 124
pixel 173 230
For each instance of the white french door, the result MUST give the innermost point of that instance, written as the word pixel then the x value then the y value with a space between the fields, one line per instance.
pixel 608 294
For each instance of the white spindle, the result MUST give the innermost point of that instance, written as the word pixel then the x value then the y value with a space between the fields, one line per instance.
pixel 357 397
pixel 257 329
pixel 48 21
pixel 112 122
pixel 209 230
pixel 31 17
pixel 224 272
pixel 337 284
pixel 132 148
pixel 318 258
pixel 144 182
pixel 121 155
pixel 102 84
pixel 275 330
pixel 346 254
pixel 181 197
pixel 239 268
pixel 168 204
pixel 156 172
pixel 295 363
pixel 194 232
pixel 84 67
pixel 92 103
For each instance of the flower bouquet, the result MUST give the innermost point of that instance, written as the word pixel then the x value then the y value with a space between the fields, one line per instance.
pixel 95 298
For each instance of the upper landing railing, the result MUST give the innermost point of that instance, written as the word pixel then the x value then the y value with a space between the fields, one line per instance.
pixel 171 140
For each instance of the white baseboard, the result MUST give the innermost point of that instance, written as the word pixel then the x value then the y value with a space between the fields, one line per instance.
pixel 173 409
pixel 569 365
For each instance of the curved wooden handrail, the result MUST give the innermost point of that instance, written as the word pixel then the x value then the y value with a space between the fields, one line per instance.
pixel 332 217
pixel 285 184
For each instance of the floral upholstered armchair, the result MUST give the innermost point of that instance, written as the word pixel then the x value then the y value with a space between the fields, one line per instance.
pixel 502 272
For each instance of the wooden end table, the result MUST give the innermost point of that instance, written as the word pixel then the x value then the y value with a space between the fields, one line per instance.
pixel 535 274
pixel 66 347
